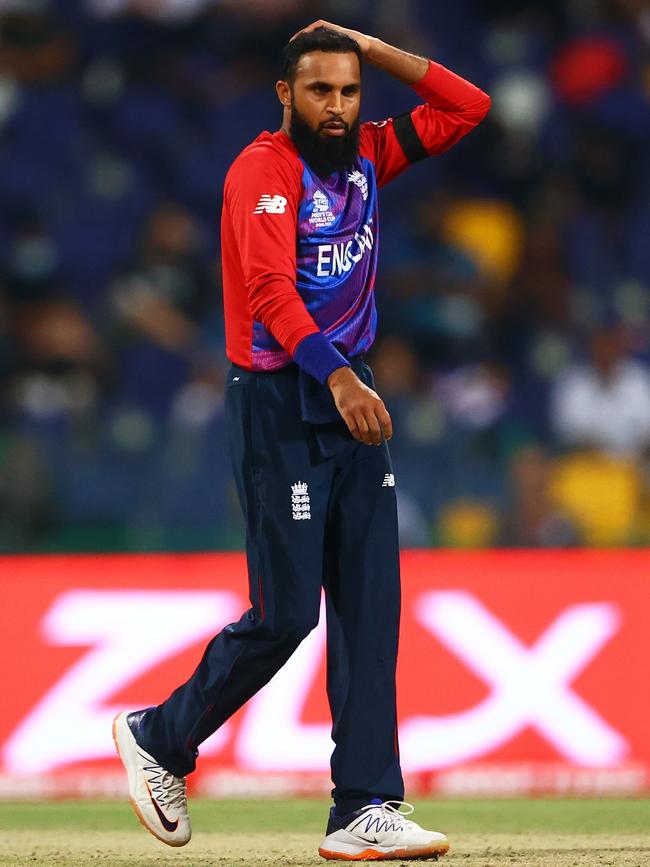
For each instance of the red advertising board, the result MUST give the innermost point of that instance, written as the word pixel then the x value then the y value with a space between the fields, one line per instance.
pixel 519 672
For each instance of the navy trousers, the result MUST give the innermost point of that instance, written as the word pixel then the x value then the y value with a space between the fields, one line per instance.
pixel 312 521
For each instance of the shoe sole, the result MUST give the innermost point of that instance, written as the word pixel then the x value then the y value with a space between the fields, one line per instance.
pixel 431 853
pixel 133 803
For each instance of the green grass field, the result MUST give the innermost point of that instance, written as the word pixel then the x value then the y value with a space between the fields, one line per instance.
pixel 561 833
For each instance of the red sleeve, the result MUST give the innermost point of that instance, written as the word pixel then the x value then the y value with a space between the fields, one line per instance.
pixel 452 108
pixel 261 199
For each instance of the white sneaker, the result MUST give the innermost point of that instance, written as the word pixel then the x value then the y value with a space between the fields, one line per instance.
pixel 157 796
pixel 380 832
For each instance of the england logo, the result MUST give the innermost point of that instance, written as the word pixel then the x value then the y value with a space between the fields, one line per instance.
pixel 359 180
pixel 300 505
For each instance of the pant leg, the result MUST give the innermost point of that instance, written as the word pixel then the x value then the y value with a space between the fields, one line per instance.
pixel 270 448
pixel 363 608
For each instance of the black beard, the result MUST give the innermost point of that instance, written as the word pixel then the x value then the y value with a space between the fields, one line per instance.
pixel 324 154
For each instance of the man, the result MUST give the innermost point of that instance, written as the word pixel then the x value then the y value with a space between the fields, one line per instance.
pixel 604 403
pixel 308 438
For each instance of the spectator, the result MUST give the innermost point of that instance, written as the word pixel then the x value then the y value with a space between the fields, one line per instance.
pixel 497 259
pixel 605 402
pixel 530 519
pixel 167 290
pixel 57 354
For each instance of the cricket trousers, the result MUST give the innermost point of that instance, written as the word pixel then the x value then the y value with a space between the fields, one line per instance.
pixel 312 522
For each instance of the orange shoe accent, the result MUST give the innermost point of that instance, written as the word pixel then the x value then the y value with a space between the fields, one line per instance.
pixel 432 853
pixel 136 809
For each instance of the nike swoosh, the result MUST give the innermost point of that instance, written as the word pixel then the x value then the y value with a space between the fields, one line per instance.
pixel 365 836
pixel 167 825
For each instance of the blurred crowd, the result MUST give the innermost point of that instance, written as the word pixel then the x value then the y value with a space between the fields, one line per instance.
pixel 513 291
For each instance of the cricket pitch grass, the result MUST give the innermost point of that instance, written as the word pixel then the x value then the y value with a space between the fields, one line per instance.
pixel 541 833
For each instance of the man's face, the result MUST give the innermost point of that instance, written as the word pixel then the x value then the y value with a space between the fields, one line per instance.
pixel 327 92
pixel 325 97
pixel 607 349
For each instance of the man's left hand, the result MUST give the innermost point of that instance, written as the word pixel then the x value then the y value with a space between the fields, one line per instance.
pixel 364 42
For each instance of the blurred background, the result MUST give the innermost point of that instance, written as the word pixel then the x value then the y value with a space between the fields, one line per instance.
pixel 513 291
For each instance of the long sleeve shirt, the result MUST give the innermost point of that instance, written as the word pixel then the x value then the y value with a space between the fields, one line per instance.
pixel 299 252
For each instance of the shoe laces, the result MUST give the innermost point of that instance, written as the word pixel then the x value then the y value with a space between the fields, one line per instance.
pixel 392 809
pixel 176 791
pixel 169 791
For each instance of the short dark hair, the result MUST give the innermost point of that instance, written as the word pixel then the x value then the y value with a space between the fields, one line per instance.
pixel 320 39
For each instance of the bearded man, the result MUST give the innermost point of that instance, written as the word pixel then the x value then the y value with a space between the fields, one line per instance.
pixel 308 437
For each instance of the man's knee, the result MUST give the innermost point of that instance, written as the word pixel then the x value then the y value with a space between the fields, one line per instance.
pixel 291 629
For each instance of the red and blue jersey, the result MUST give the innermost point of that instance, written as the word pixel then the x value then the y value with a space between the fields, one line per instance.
pixel 336 260
pixel 299 252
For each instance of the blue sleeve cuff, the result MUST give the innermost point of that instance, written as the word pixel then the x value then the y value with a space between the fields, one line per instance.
pixel 318 357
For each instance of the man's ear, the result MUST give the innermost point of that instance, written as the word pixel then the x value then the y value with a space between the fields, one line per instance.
pixel 284 93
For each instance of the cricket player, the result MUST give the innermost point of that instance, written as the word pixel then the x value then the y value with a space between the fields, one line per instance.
pixel 308 437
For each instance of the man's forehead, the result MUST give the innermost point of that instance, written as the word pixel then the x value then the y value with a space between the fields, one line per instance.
pixel 329 66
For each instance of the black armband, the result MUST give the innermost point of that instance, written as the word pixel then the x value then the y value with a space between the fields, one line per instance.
pixel 408 138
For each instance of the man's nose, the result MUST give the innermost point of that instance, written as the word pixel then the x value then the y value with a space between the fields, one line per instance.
pixel 336 104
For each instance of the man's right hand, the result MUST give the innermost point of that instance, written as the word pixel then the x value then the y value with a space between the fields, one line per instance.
pixel 361 408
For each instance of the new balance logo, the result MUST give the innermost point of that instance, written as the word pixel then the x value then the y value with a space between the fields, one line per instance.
pixel 389 481
pixel 300 505
pixel 270 204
